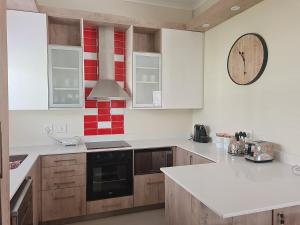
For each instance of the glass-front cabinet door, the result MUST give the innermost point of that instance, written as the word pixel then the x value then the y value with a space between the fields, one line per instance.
pixel 65 77
pixel 146 80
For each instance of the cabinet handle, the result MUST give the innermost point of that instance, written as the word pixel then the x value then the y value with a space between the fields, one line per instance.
pixel 111 206
pixel 64 171
pixel 153 183
pixel 64 197
pixel 281 218
pixel 65 183
pixel 64 160
pixel 191 159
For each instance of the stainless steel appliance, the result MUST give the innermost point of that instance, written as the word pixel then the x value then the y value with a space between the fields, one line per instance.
pixel 21 205
pixel 109 174
pixel 151 160
pixel 200 134
pixel 259 151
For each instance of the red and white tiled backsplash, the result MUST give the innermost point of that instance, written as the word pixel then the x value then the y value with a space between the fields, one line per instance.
pixel 103 117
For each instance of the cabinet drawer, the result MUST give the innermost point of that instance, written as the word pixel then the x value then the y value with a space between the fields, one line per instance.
pixel 63 160
pixel 108 205
pixel 62 203
pixel 149 189
pixel 63 182
pixel 63 171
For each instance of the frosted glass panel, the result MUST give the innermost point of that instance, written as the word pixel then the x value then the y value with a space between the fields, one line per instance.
pixel 65 58
pixel 65 77
pixel 147 78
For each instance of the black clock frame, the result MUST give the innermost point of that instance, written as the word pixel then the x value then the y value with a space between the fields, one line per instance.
pixel 265 60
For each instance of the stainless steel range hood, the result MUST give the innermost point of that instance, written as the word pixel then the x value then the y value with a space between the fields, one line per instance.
pixel 107 87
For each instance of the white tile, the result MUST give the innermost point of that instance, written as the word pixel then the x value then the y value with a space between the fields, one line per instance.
pixel 117 111
pixel 90 56
pixel 91 112
pixel 90 83
pixel 119 58
pixel 104 124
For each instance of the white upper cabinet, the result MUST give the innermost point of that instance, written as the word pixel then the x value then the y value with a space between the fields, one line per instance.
pixel 27 60
pixel 182 69
pixel 65 77
pixel 146 80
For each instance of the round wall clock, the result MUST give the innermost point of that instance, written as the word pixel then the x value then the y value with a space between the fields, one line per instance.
pixel 247 59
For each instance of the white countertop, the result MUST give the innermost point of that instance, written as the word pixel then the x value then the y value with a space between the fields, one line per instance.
pixel 230 187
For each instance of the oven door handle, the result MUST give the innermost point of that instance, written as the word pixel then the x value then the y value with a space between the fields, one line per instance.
pixel 27 186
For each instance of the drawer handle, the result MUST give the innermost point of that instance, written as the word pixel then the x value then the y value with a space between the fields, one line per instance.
pixel 111 206
pixel 64 171
pixel 64 160
pixel 65 183
pixel 64 197
pixel 154 183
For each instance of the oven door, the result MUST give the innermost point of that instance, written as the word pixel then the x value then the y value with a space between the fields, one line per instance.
pixel 109 175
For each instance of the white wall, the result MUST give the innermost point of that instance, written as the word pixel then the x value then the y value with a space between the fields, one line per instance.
pixel 271 106
pixel 27 127
pixel 123 8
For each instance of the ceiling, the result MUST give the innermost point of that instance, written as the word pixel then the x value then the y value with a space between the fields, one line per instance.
pixel 180 4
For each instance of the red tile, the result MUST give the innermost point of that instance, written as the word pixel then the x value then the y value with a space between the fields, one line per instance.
pixel 90 62
pixel 91 76
pixel 90 132
pixel 90 48
pixel 119 44
pixel 92 125
pixel 90 41
pixel 102 111
pixel 118 103
pixel 117 131
pixel 90 33
pixel 104 118
pixel 90 118
pixel 104 131
pixel 87 92
pixel 90 104
pixel 120 51
pixel 103 104
pixel 119 78
pixel 120 65
pixel 119 124
pixel 117 117
pixel 120 71
pixel 90 69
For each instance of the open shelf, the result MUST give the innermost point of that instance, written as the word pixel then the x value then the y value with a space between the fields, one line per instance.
pixel 63 31
pixel 146 40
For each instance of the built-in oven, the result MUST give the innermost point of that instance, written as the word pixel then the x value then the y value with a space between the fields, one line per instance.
pixel 109 174
pixel 148 161
pixel 21 204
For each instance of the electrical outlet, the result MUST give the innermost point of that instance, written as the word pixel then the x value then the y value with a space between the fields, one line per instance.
pixel 48 129
pixel 60 128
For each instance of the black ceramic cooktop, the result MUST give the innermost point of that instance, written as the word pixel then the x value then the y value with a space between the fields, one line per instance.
pixel 106 145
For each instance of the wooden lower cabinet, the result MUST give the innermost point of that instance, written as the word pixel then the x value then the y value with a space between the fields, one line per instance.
pixel 183 209
pixel 287 216
pixel 196 159
pixel 63 184
pixel 181 157
pixel 107 205
pixel 63 203
pixel 149 189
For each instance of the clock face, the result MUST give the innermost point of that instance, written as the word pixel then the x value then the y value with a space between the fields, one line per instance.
pixel 247 59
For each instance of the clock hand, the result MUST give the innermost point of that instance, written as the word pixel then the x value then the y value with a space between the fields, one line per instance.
pixel 242 54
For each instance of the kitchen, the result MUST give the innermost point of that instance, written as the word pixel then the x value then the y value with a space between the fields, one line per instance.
pixel 154 114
